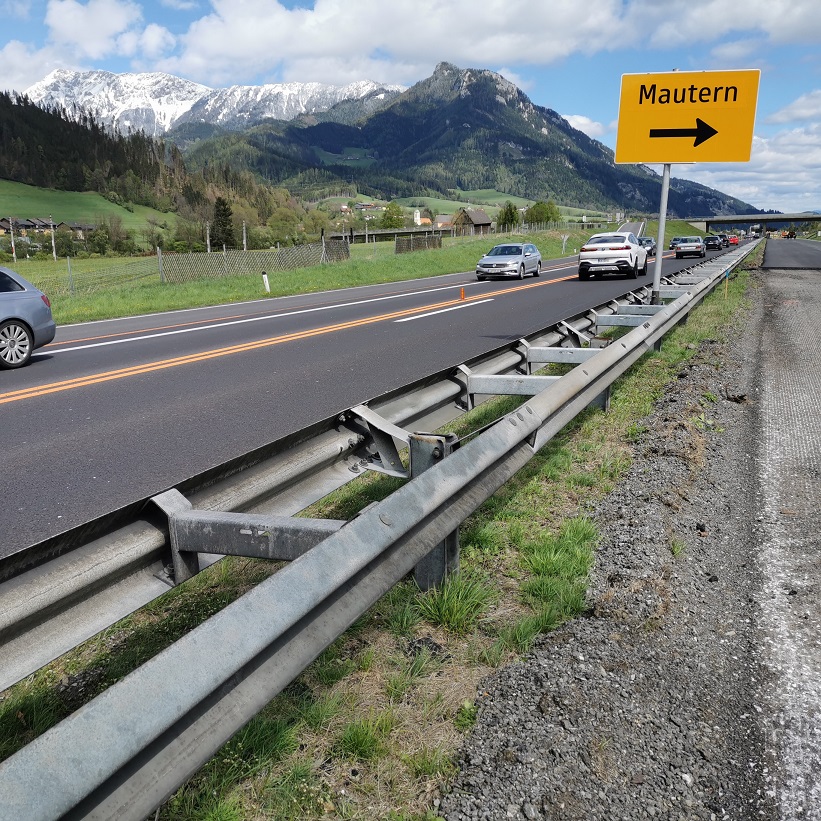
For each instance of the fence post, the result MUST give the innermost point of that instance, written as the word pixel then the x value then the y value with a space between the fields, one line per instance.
pixel 426 450
pixel 159 263
pixel 70 277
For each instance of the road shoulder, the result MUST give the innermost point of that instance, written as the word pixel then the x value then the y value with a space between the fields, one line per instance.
pixel 651 705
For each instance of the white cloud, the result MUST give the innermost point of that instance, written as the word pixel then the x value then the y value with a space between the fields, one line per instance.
pixel 806 107
pixel 333 42
pixel 784 172
pixel 586 125
pixel 156 41
pixel 515 78
pixel 673 23
pixel 91 30
pixel 21 65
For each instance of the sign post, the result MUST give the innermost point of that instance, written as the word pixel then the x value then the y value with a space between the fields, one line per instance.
pixel 685 117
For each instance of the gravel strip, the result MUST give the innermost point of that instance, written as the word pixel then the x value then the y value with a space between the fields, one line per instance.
pixel 650 705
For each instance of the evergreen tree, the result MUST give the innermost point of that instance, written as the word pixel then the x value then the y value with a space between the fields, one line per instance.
pixel 222 231
pixel 508 217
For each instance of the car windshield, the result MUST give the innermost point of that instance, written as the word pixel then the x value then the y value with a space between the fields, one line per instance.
pixel 605 239
pixel 505 251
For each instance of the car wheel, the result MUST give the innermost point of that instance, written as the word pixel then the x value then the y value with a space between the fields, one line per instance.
pixel 634 271
pixel 481 279
pixel 538 271
pixel 16 344
pixel 644 269
pixel 584 274
pixel 522 271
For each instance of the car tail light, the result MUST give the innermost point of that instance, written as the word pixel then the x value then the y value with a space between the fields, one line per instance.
pixel 619 248
pixel 588 248
pixel 45 299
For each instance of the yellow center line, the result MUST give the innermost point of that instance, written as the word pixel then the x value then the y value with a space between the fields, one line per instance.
pixel 149 367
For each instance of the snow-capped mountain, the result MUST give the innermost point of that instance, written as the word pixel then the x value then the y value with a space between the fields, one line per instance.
pixel 147 102
pixel 155 102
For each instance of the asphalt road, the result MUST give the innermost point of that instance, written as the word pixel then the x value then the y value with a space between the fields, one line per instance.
pixel 793 253
pixel 116 411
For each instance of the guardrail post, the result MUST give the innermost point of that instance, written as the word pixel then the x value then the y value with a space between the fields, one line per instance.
pixel 426 449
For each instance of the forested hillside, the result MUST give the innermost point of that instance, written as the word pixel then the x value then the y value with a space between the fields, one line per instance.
pixel 56 149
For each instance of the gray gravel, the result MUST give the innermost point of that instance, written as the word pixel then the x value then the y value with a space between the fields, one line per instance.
pixel 650 706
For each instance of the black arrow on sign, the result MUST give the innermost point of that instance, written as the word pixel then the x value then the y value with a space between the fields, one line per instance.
pixel 702 132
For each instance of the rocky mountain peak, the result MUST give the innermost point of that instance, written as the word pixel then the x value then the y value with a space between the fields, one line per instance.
pixel 155 103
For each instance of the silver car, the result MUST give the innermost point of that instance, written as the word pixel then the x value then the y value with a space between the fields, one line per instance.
pixel 513 259
pixel 25 319
pixel 691 247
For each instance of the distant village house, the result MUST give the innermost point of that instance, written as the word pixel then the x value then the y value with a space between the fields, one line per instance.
pixel 472 221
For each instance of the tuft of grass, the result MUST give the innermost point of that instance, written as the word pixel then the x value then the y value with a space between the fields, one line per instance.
pixel 457 604
pixel 519 636
pixel 318 714
pixel 331 666
pixel 466 716
pixel 363 739
pixel 676 546
pixel 419 665
pixel 429 762
pixel 297 793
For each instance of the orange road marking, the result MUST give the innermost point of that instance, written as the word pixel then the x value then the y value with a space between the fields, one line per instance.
pixel 163 364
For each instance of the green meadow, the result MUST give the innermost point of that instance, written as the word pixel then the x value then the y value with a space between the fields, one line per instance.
pixel 26 201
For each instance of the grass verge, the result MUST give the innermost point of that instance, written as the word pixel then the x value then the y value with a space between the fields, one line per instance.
pixel 104 288
pixel 371 728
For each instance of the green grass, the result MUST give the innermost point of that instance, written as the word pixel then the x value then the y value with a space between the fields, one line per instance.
pixel 369 264
pixel 363 739
pixel 352 157
pixel 26 201
pixel 488 199
pixel 466 716
pixel 457 604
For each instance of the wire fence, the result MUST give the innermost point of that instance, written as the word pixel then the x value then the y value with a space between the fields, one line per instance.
pixel 176 268
pixel 404 245
pixel 85 276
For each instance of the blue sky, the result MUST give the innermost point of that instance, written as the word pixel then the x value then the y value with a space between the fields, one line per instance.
pixel 564 54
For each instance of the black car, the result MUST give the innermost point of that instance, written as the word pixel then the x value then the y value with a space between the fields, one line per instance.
pixel 650 244
pixel 713 243
pixel 725 240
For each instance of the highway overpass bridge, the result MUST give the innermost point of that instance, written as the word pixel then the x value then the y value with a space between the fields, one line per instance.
pixel 768 221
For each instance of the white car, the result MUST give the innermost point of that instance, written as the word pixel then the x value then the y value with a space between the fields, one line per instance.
pixel 614 252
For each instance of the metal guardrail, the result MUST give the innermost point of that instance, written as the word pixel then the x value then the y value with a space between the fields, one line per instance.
pixel 77 584
pixel 125 752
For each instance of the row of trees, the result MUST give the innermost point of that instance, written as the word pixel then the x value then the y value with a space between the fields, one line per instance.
pixel 539 213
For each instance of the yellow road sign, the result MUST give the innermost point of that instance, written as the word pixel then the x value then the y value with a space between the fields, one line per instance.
pixel 687 116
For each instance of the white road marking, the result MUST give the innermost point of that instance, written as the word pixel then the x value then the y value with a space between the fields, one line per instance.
pixel 140 336
pixel 443 310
